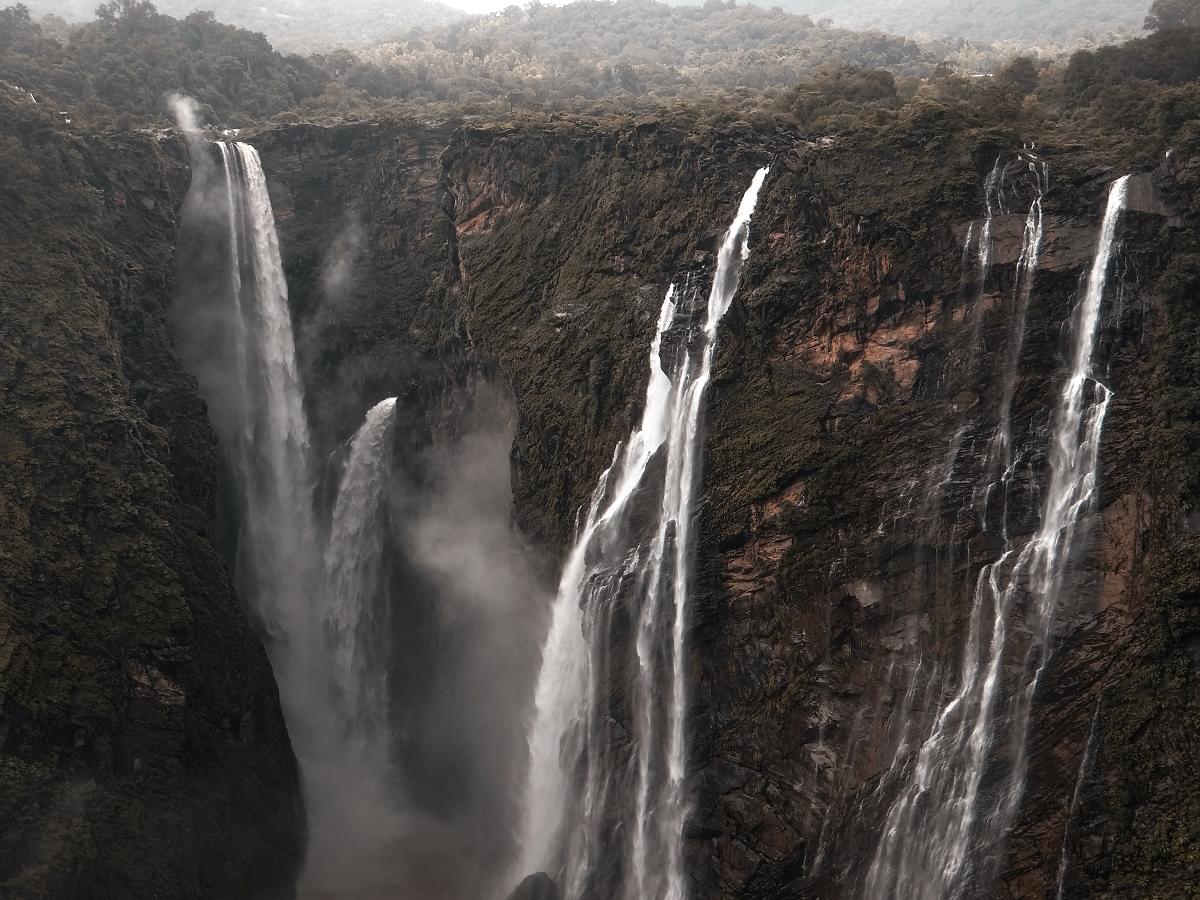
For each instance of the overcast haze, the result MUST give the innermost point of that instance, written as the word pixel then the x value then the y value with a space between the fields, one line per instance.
pixel 308 26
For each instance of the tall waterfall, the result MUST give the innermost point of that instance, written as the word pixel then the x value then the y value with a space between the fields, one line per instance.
pixel 354 811
pixel 629 565
pixel 352 620
pixel 940 826
pixel 267 439
pixel 313 590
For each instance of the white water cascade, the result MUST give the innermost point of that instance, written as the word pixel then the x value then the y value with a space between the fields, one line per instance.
pixel 354 814
pixel 941 826
pixel 586 802
pixel 268 439
pixel 313 592
pixel 1002 461
pixel 353 556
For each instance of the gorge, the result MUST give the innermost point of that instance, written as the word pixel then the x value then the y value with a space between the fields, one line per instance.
pixel 599 509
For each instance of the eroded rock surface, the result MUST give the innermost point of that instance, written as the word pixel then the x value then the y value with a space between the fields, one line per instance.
pixel 857 388
pixel 142 748
pixel 856 391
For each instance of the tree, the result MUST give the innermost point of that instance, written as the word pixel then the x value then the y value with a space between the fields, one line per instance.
pixel 16 25
pixel 1020 74
pixel 1166 14
pixel 128 10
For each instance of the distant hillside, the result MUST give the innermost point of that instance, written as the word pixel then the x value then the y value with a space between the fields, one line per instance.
pixel 634 47
pixel 292 26
pixel 1031 22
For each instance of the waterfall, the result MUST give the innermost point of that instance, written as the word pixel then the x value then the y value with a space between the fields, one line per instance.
pixel 925 851
pixel 633 564
pixel 1001 464
pixel 313 594
pixel 352 565
pixel 1085 761
pixel 266 440
pixel 993 193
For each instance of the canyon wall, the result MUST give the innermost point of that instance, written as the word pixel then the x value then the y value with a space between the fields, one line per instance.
pixel 142 748
pixel 857 386
pixel 856 390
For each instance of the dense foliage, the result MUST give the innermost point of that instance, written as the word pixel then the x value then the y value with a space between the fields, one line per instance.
pixel 296 26
pixel 592 50
pixel 1031 22
pixel 122 66
pixel 727 63
pixel 1166 14
pixel 124 63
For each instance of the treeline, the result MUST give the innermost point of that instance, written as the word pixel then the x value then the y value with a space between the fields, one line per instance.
pixel 293 26
pixel 587 55
pixel 721 61
pixel 1142 96
pixel 1034 23
pixel 1148 88
pixel 630 48
pixel 119 68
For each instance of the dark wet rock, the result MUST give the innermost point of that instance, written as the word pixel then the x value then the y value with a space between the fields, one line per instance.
pixel 142 749
pixel 539 886
pixel 856 349
pixel 837 550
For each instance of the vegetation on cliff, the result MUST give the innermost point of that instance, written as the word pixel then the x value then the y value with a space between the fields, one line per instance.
pixel 295 26
pixel 593 57
pixel 142 748
pixel 119 68
pixel 538 243
pixel 1026 21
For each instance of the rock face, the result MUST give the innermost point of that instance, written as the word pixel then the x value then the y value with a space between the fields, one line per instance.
pixel 142 748
pixel 536 887
pixel 860 354
pixel 856 390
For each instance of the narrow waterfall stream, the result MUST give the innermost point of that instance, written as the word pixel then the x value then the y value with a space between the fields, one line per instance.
pixel 578 781
pixel 936 828
pixel 353 621
pixel 1001 461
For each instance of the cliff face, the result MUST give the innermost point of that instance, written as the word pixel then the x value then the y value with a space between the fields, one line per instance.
pixel 857 387
pixel 142 749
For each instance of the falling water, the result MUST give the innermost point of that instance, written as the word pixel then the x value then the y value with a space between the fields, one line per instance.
pixel 619 562
pixel 925 850
pixel 1001 463
pixel 313 601
pixel 1085 761
pixel 993 192
pixel 353 554
pixel 267 440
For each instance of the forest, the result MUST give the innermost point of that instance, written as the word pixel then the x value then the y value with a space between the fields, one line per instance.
pixel 293 26
pixel 1031 22
pixel 599 58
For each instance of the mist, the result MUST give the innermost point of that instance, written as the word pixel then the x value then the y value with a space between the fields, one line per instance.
pixel 463 610
pixel 488 613
pixel 406 662
pixel 337 266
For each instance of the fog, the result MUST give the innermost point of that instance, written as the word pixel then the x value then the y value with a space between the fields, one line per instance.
pixel 337 265
pixel 309 26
